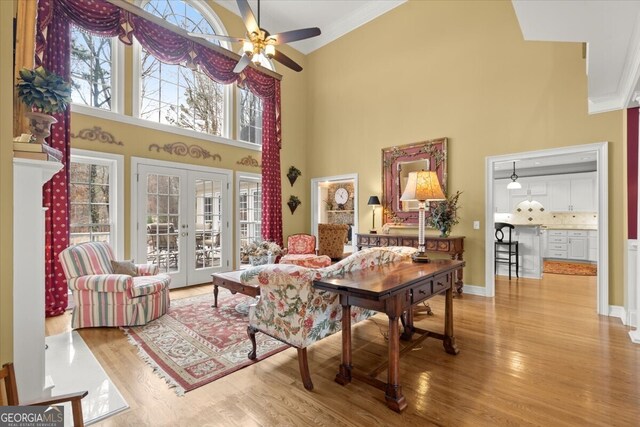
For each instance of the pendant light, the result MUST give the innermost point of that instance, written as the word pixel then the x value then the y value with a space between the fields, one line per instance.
pixel 514 184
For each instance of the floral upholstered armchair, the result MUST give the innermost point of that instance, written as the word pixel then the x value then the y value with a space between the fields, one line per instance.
pixel 104 298
pixel 292 310
pixel 301 250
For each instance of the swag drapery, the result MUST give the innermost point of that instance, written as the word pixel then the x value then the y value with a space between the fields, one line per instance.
pixel 101 18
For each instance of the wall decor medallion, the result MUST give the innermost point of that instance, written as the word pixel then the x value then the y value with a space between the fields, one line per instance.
pixel 182 149
pixel 249 161
pixel 96 134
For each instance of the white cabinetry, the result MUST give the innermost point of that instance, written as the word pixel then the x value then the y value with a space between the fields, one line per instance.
pixel 577 245
pixel 573 193
pixel 592 242
pixel 571 244
pixel 501 197
pixel 505 201
pixel 28 274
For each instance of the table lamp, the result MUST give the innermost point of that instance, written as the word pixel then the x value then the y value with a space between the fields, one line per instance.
pixel 373 201
pixel 422 186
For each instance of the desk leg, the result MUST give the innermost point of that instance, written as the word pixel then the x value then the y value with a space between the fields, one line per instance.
pixel 393 394
pixel 458 275
pixel 343 376
pixel 449 341
pixel 215 296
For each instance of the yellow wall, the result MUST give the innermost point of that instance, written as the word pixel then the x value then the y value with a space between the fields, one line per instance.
pixel 461 70
pixel 7 13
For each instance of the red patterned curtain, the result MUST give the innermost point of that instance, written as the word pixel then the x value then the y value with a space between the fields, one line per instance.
pixel 105 19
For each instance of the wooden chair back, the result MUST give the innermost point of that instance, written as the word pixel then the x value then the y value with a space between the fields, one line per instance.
pixel 9 390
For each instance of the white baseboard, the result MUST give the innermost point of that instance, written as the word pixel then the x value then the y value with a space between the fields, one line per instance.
pixel 619 312
pixel 635 336
pixel 474 290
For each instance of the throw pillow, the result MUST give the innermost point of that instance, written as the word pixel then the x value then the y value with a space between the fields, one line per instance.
pixel 124 267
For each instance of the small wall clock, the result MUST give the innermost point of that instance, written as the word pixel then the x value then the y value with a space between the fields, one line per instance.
pixel 341 197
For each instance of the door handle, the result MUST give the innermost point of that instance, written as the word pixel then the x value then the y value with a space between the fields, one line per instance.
pixel 185 233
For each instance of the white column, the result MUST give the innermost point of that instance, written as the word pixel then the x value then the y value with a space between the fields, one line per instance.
pixel 28 274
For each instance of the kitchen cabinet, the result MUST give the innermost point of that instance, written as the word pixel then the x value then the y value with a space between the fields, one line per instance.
pixel 568 244
pixel 577 245
pixel 592 242
pixel 573 193
pixel 506 201
pixel 501 197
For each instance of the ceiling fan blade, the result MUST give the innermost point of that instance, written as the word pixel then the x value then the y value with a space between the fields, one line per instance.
pixel 286 61
pixel 248 17
pixel 242 64
pixel 217 37
pixel 292 36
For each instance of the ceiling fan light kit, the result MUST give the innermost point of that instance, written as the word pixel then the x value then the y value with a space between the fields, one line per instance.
pixel 259 44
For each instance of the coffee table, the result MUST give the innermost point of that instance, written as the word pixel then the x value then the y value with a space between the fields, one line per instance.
pixel 231 280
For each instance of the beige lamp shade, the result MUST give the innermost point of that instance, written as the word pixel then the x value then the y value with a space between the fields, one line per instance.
pixel 423 186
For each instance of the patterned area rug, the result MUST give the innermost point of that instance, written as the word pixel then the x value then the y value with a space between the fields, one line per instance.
pixel 571 268
pixel 194 344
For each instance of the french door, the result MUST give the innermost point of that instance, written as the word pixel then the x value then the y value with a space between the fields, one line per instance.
pixel 182 221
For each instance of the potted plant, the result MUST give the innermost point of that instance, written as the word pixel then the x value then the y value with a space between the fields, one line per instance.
pixel 44 93
pixel 261 252
pixel 444 214
pixel 293 174
pixel 293 203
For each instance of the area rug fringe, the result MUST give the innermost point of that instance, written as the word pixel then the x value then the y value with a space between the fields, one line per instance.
pixel 156 368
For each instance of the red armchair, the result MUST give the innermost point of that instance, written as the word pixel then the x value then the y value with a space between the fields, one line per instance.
pixel 301 250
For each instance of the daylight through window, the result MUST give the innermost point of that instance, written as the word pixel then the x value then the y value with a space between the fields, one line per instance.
pixel 91 70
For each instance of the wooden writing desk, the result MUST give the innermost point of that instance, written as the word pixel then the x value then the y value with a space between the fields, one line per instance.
pixel 452 245
pixel 393 289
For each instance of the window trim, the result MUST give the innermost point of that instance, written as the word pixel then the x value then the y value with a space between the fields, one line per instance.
pixel 219 28
pixel 115 162
pixel 241 176
pixel 117 82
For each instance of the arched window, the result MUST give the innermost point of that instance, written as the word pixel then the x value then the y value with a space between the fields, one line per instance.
pixel 175 94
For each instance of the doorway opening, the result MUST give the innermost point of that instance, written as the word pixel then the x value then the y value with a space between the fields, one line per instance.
pixel 334 201
pixel 560 211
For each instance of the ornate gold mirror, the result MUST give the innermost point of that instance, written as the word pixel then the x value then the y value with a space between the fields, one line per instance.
pixel 397 162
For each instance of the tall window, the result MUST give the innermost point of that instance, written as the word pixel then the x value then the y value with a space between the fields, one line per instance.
pixel 249 211
pixel 179 95
pixel 250 117
pixel 91 70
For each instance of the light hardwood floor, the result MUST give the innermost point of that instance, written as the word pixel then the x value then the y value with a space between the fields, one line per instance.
pixel 537 354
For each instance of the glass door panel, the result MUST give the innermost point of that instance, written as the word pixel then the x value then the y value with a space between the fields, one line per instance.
pixel 160 222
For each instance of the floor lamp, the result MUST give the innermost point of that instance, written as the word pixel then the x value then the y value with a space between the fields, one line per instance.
pixel 373 201
pixel 422 186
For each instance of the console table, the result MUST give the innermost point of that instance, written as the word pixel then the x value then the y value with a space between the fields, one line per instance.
pixel 393 289
pixel 452 245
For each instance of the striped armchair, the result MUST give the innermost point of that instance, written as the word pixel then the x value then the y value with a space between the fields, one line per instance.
pixel 106 299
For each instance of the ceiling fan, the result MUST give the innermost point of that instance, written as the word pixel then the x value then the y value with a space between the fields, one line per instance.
pixel 258 43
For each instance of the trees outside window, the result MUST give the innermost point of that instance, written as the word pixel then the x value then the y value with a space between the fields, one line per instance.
pixel 179 95
pixel 91 69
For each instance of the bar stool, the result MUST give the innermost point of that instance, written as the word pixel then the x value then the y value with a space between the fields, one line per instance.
pixel 505 249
